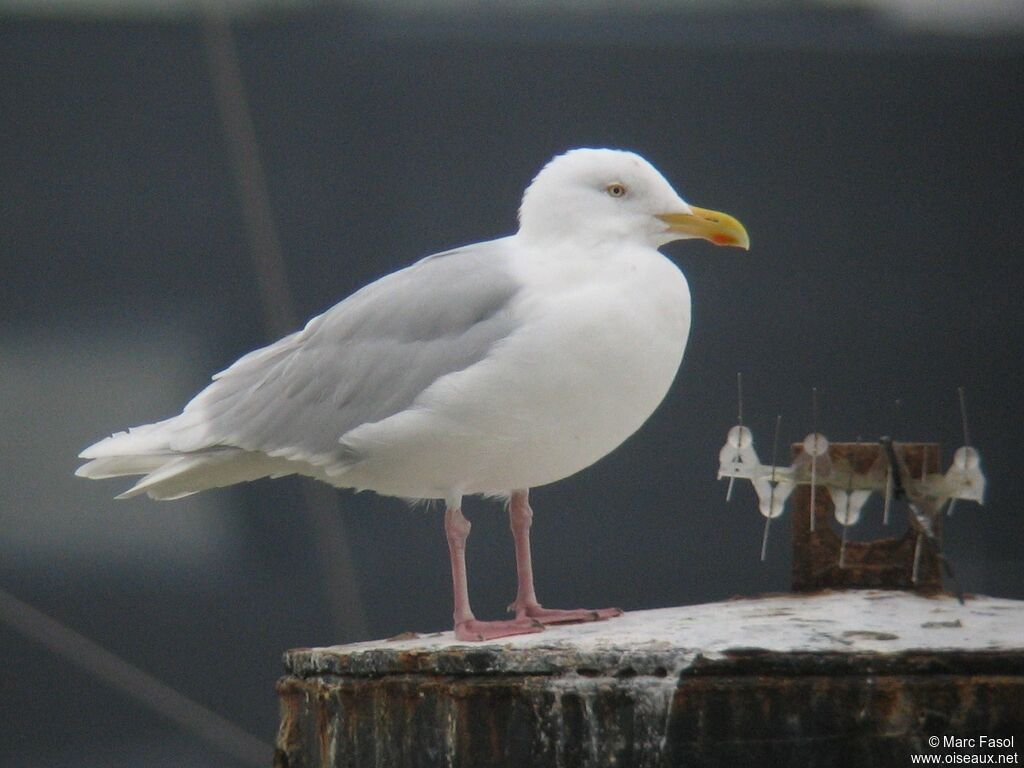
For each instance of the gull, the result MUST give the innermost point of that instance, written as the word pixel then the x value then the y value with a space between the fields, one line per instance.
pixel 488 370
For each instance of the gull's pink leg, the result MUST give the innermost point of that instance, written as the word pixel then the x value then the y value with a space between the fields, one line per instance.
pixel 456 527
pixel 526 605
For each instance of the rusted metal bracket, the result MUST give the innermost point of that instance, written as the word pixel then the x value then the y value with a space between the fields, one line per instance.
pixel 819 559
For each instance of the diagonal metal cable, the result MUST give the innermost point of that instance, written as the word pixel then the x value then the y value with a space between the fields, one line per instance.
pixel 140 685
pixel 332 549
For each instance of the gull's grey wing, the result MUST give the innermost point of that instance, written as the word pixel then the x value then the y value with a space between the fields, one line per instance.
pixel 363 360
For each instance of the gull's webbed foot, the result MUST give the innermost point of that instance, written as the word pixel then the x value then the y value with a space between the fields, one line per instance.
pixel 537 612
pixel 473 630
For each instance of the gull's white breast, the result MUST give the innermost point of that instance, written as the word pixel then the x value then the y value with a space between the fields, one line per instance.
pixel 600 335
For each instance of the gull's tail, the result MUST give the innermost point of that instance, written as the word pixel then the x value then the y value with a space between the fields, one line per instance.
pixel 170 474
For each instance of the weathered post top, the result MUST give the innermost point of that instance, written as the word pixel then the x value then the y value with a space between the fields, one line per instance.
pixel 851 678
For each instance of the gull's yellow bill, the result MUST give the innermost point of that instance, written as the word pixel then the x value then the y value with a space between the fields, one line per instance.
pixel 718 228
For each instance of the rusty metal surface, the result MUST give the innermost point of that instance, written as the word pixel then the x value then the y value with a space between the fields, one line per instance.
pixel 751 709
pixel 880 564
pixel 838 680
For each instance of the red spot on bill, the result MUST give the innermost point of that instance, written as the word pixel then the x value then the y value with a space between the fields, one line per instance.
pixel 720 239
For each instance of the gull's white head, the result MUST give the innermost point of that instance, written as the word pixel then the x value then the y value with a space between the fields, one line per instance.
pixel 608 194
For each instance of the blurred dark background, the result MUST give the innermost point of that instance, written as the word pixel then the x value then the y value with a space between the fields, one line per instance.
pixel 873 150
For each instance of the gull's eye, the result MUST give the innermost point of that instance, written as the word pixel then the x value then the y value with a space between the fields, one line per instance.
pixel 616 190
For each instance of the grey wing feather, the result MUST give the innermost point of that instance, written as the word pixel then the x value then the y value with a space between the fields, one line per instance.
pixel 363 360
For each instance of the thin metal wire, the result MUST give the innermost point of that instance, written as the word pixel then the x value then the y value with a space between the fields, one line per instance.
pixel 739 398
pixel 889 479
pixel 739 423
pixel 814 456
pixel 771 496
pixel 963 415
pixel 846 515
pixel 141 686
pixel 967 439
pixel 917 559
pixel 333 553
pixel 888 495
